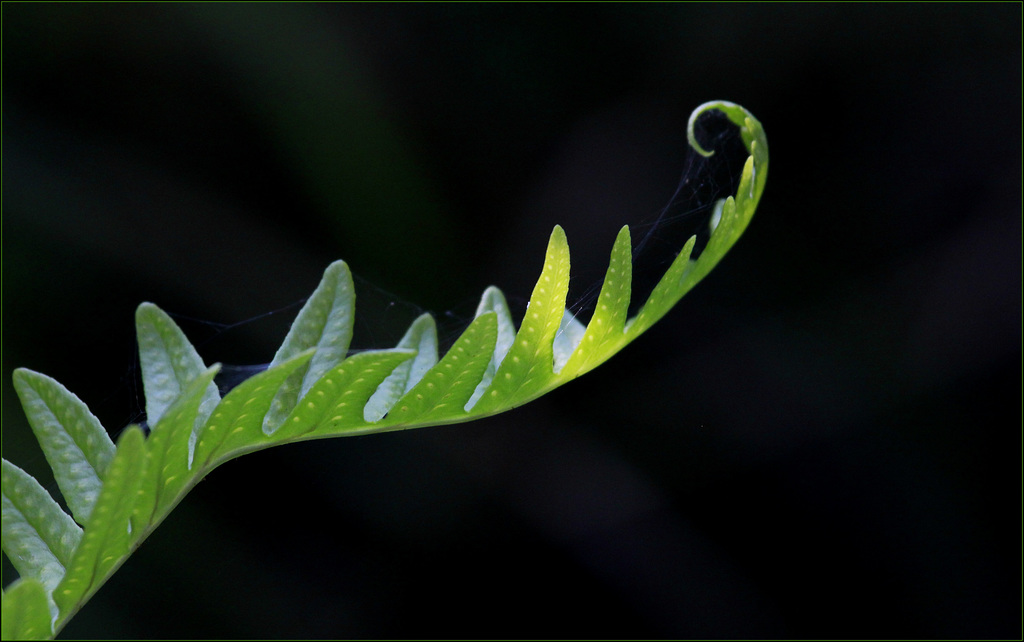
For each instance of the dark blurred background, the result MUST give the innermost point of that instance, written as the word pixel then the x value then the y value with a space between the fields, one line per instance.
pixel 822 440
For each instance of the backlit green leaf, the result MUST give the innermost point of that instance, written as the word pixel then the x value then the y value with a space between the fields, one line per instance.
pixel 325 323
pixel 169 364
pixel 444 391
pixel 108 535
pixel 335 404
pixel 421 337
pixel 236 426
pixel 169 453
pixel 528 367
pixel 26 615
pixel 76 445
pixel 38 537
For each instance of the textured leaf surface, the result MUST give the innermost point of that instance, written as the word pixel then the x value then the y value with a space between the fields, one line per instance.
pixel 444 391
pixel 421 337
pixel 325 323
pixel 168 453
pixel 38 536
pixel 335 404
pixel 665 293
pixel 26 614
pixel 76 445
pixel 494 301
pixel 528 367
pixel 236 426
pixel 604 336
pixel 107 537
pixel 169 363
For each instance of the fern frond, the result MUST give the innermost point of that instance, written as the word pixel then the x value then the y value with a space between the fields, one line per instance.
pixel 313 389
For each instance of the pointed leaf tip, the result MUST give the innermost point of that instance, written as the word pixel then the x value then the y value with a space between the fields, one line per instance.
pixel 325 322
pixel 421 337
pixel 169 364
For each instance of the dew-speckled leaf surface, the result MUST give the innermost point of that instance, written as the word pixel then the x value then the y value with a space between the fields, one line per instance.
pixel 38 536
pixel 26 612
pixel 107 537
pixel 325 323
pixel 421 337
pixel 444 391
pixel 169 363
pixel 76 445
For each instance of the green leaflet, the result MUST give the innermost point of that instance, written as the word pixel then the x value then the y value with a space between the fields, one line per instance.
pixel 422 338
pixel 236 426
pixel 38 537
pixel 494 301
pixel 444 390
pixel 325 323
pixel 76 445
pixel 604 335
pixel 528 366
pixel 169 453
pixel 108 535
pixel 169 363
pixel 25 612
pixel 313 389
pixel 335 404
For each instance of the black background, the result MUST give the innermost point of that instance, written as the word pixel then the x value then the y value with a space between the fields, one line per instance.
pixel 823 439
